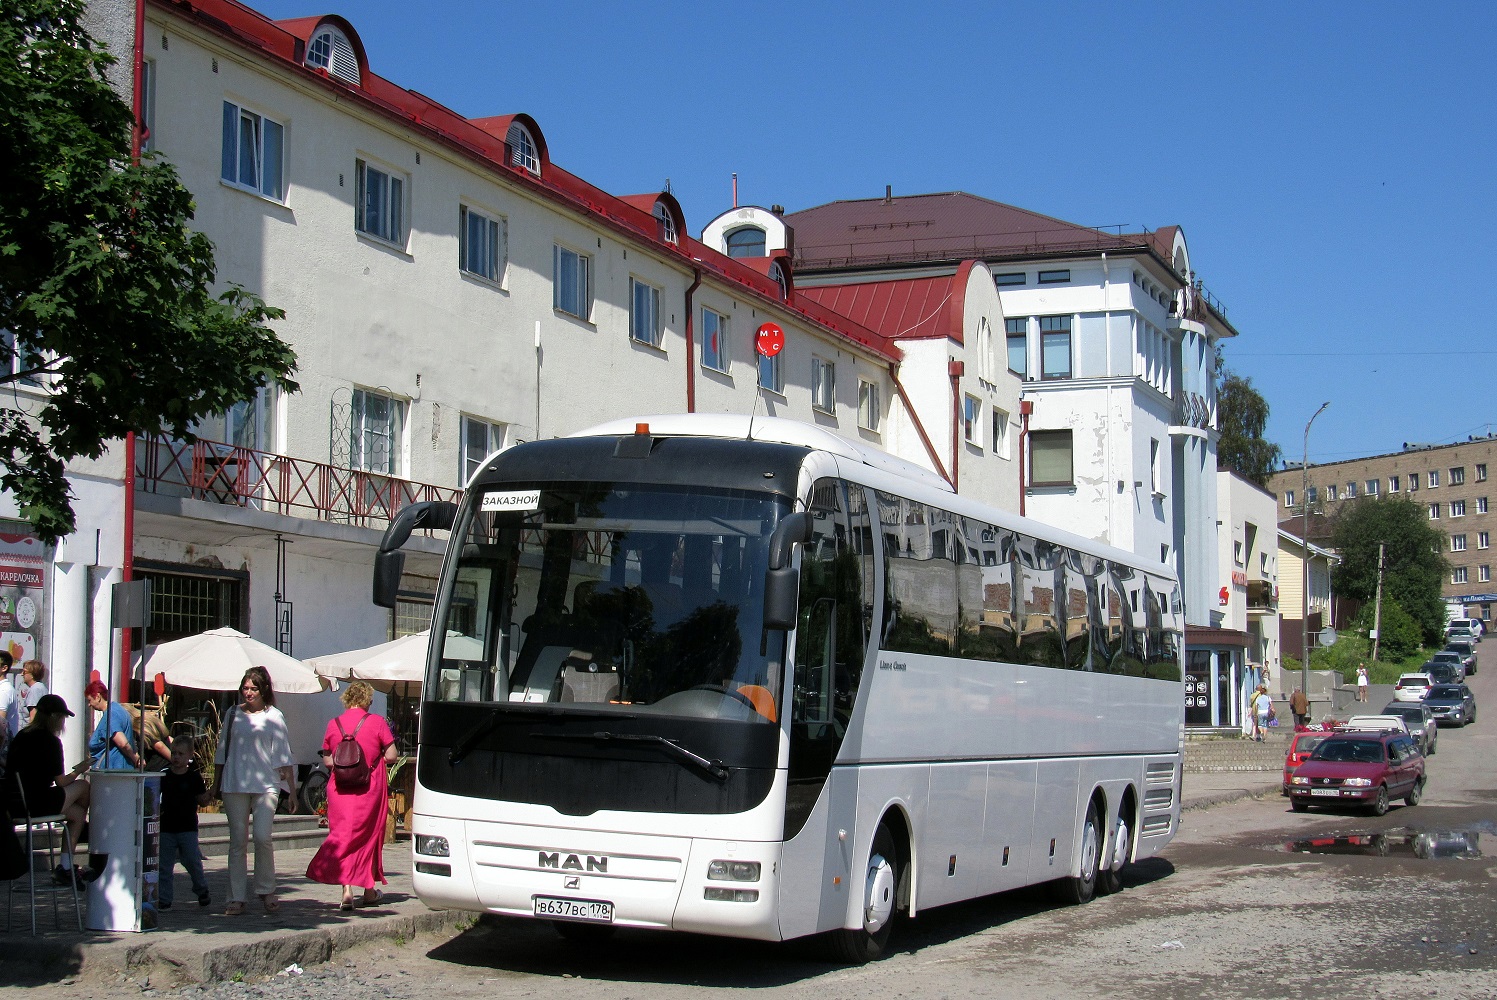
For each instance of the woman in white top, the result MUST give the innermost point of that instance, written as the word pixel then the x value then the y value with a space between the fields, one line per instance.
pixel 253 764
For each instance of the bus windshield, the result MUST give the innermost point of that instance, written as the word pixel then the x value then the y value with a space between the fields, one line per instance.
pixel 612 597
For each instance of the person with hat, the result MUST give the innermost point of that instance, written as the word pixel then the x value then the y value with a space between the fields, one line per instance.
pixel 35 764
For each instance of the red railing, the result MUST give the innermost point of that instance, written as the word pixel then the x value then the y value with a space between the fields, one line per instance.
pixel 224 473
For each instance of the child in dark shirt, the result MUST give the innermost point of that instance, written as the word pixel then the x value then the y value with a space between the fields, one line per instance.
pixel 182 791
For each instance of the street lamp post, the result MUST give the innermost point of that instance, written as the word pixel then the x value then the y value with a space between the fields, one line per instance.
pixel 1304 594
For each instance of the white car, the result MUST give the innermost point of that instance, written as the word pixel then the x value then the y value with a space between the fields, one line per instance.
pixel 1377 723
pixel 1412 687
pixel 1472 625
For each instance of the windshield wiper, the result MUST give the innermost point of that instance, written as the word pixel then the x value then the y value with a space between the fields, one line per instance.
pixel 467 743
pixel 498 714
pixel 714 768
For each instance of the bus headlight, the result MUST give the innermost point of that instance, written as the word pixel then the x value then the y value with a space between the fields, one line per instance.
pixel 731 895
pixel 733 871
pixel 435 847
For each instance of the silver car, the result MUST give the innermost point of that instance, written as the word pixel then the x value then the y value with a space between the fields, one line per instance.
pixel 1421 722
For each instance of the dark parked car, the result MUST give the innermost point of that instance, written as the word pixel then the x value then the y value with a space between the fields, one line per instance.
pixel 1447 671
pixel 1420 720
pixel 1451 704
pixel 1360 768
pixel 1467 652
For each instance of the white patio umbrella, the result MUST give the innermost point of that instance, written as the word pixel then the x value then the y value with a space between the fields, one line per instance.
pixel 216 661
pixel 399 661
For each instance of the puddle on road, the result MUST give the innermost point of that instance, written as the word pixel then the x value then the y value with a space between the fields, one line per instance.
pixel 1427 845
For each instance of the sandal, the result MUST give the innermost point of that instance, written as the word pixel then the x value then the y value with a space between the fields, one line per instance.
pixel 346 906
pixel 271 903
pixel 234 909
pixel 379 897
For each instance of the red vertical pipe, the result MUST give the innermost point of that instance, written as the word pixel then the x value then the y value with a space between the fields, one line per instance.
pixel 1026 407
pixel 691 370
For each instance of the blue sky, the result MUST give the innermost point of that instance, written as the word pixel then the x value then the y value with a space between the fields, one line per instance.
pixel 1332 164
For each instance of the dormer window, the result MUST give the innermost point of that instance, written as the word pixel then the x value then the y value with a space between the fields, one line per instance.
pixel 667 223
pixel 746 241
pixel 522 150
pixel 331 50
pixel 777 275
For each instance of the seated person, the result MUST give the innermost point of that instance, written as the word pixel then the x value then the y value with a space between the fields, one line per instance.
pixel 36 760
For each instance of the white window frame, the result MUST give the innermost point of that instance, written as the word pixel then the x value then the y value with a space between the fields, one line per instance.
pixel 1045 437
pixel 331 50
pixel 1458 543
pixel 823 385
pixel 1481 472
pixel 644 313
pixel 870 406
pixel 1457 508
pixel 1288 498
pixel 1484 574
pixel 1434 478
pixel 1330 493
pixel 1483 540
pixel 1016 331
pixel 1434 512
pixel 1154 466
pixel 582 304
pixel 720 322
pixel 489 262
pixel 1373 486
pixel 1393 484
pixel 1001 424
pixel 1458 475
pixel 148 104
pixel 384 222
pixel 22 360
pixel 972 420
pixel 771 373
pixel 984 350
pixel 523 150
pixel 667 223
pixel 1459 574
pixel 1481 505
pixel 265 166
pixel 367 428
pixel 494 435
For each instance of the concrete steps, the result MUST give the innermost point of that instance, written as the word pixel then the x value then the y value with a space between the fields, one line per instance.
pixel 289 832
pixel 1237 753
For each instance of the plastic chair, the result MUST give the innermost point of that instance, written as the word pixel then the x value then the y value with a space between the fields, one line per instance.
pixel 48 826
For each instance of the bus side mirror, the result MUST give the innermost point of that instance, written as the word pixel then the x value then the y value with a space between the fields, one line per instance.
pixel 781 581
pixel 389 561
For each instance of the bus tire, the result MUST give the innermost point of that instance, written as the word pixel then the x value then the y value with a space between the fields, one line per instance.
pixel 1078 889
pixel 1110 879
pixel 580 933
pixel 880 888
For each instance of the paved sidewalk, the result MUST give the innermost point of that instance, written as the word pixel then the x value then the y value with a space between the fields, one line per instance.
pixel 200 944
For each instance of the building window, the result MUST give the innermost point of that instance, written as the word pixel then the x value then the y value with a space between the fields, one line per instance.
pixel 1481 473
pixel 1050 458
pixel 1154 466
pixel 572 285
pixel 1288 498
pixel 1351 491
pixel 1055 347
pixel 480 440
pixel 1393 486
pixel 1372 485
pixel 1483 540
pixel 1457 508
pixel 1458 476
pixel 1413 482
pixel 972 420
pixel 1018 346
pixel 522 149
pixel 869 406
pixel 777 275
pixel 1481 505
pixel 1434 512
pixel 746 241
pixel 771 373
pixel 20 358
pixel 1330 492
pixel 1434 478
pixel 644 312
pixel 823 385
pixel 483 244
pixel 253 152
pixel 1054 277
pixel 1458 543
pixel 714 340
pixel 381 202
pixel 1311 495
pixel 377 431
pixel 1010 280
pixel 1483 574
pixel 1458 575
pixel 331 50
pixel 667 223
pixel 1000 433
pixel 147 105
pixel 984 350
pixel 190 603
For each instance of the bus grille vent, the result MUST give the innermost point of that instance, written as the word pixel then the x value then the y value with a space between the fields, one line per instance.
pixel 1155 825
pixel 1158 798
pixel 1161 773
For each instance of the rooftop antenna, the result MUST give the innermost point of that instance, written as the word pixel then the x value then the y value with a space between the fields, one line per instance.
pixel 735 189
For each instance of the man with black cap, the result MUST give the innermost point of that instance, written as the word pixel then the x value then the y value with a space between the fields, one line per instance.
pixel 35 763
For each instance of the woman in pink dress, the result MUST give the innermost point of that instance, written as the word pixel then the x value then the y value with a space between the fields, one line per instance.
pixel 352 854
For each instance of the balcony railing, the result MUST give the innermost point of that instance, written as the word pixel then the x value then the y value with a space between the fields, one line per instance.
pixel 243 477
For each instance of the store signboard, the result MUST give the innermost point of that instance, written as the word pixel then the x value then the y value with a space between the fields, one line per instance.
pixel 23 575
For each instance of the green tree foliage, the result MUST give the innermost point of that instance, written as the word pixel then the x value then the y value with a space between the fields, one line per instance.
pixel 1242 414
pixel 1414 571
pixel 1401 636
pixel 106 294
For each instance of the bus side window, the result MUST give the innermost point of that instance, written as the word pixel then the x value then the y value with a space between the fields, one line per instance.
pixel 832 635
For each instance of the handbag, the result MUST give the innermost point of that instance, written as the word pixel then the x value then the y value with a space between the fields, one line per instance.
pixel 218 770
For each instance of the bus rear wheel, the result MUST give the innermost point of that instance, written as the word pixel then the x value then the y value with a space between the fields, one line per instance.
pixel 1110 879
pixel 1078 889
pixel 881 886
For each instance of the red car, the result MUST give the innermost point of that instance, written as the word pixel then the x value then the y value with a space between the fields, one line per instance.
pixel 1362 768
pixel 1300 746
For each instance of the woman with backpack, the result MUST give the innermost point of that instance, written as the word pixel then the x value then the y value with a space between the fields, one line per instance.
pixel 356 749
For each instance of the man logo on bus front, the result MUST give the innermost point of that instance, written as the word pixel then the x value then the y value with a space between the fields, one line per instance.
pixel 572 862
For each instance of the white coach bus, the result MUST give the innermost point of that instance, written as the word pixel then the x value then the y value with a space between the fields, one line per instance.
pixel 749 678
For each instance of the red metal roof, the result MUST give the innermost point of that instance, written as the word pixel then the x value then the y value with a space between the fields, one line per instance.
pixel 913 309
pixel 482 140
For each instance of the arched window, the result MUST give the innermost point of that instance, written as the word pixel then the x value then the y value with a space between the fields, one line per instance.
pixel 778 277
pixel 984 350
pixel 746 241
pixel 667 223
pixel 331 50
pixel 522 150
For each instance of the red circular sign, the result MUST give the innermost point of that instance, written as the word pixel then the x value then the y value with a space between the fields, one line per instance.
pixel 770 340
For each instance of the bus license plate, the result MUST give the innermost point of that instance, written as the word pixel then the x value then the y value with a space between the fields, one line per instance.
pixel 593 910
pixel 1325 791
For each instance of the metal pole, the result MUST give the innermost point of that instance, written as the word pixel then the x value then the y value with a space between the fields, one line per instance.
pixel 1304 594
pixel 1377 608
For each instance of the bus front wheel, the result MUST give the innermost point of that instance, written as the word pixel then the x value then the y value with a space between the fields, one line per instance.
pixel 1081 888
pixel 880 888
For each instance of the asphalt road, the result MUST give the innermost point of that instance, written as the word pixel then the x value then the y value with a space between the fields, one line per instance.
pixel 1229 910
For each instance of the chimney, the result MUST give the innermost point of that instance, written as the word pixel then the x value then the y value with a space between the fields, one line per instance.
pixel 888 194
